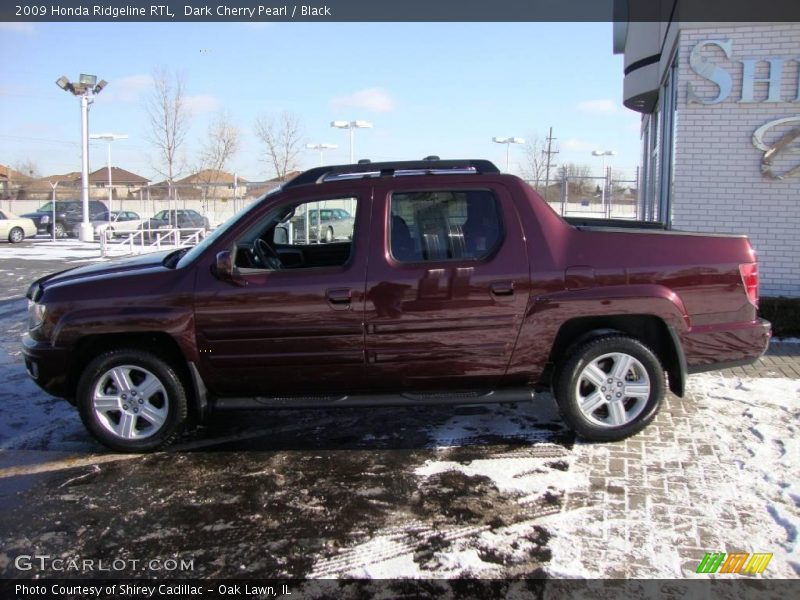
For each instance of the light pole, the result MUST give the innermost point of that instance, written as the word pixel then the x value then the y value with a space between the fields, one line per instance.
pixel 322 148
pixel 86 89
pixel 508 141
pixel 109 137
pixel 53 227
pixel 604 153
pixel 351 125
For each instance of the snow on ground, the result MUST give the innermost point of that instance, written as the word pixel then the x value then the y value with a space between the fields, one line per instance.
pixel 72 250
pixel 754 425
pixel 753 474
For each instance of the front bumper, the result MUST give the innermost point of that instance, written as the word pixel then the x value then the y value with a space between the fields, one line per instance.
pixel 49 367
pixel 713 347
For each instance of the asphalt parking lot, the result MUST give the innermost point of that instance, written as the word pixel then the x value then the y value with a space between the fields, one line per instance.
pixel 487 491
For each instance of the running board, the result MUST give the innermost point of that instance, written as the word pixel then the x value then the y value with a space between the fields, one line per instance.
pixel 433 398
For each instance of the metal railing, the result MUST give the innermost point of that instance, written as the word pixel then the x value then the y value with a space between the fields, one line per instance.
pixel 150 240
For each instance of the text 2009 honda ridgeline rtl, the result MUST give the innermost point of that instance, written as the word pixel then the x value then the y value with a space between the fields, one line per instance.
pixel 457 285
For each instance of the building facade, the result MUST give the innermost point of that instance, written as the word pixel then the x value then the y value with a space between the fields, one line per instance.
pixel 720 105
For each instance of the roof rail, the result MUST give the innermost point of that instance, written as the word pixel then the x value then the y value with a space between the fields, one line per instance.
pixel 390 169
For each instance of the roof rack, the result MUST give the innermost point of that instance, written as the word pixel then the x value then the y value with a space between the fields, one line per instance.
pixel 391 169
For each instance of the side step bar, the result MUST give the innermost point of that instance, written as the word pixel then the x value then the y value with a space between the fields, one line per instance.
pixel 511 394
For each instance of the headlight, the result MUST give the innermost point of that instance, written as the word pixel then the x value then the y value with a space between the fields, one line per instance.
pixel 46 219
pixel 36 314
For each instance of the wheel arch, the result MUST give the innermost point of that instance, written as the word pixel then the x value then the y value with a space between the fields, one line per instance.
pixel 158 343
pixel 651 330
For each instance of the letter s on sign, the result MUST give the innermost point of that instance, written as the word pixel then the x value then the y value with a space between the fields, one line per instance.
pixel 708 71
pixel 781 145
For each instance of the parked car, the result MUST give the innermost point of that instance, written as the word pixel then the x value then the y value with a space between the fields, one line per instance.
pixel 182 218
pixel 116 222
pixel 68 216
pixel 14 228
pixel 336 224
pixel 460 286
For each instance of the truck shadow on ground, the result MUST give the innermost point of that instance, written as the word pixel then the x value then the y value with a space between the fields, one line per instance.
pixel 322 493
pixel 379 428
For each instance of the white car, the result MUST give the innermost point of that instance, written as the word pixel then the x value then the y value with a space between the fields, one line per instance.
pixel 14 228
pixel 120 222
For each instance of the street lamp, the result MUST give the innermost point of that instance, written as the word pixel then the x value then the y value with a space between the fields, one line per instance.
pixel 86 89
pixel 351 125
pixel 604 153
pixel 109 137
pixel 321 148
pixel 508 141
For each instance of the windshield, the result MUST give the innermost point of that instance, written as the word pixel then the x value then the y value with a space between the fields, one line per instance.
pixel 219 231
pixel 46 208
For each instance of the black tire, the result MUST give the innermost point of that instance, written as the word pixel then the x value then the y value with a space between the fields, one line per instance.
pixel 607 404
pixel 16 235
pixel 168 403
pixel 60 231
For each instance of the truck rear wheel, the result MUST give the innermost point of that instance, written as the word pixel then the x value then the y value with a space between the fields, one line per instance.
pixel 132 401
pixel 610 388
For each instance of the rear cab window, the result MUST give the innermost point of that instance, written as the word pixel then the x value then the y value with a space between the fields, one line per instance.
pixel 444 225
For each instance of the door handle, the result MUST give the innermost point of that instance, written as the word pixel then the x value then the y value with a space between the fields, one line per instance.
pixel 339 299
pixel 502 288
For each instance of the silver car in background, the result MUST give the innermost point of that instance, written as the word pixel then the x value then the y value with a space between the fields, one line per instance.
pixel 325 225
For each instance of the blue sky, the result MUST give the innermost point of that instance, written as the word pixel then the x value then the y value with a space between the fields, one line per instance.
pixel 429 88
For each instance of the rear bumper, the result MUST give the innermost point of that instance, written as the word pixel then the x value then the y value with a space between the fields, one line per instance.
pixel 47 366
pixel 715 347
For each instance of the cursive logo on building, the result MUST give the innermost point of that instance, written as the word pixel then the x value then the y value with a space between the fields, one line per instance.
pixel 779 147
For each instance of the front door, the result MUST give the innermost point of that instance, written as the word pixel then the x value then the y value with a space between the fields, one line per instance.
pixel 447 286
pixel 291 327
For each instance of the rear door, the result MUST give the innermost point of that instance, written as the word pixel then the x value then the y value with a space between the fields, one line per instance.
pixel 447 285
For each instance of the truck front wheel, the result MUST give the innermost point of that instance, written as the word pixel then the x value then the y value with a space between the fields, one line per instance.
pixel 610 388
pixel 132 401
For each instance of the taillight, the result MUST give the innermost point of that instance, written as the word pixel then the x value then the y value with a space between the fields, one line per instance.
pixel 749 273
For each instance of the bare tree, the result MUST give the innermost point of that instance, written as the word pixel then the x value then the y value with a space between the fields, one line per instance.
pixel 169 120
pixel 222 143
pixel 535 159
pixel 282 137
pixel 579 175
pixel 27 167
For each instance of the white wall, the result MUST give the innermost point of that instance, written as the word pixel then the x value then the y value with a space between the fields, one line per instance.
pixel 718 185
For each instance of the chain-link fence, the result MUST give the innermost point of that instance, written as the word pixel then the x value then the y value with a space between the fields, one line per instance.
pixel 592 197
pixel 216 202
pixel 572 196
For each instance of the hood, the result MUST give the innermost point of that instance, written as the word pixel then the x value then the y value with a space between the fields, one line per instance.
pixel 136 263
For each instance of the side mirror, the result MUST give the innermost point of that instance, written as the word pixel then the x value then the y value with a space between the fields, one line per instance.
pixel 225 270
pixel 281 235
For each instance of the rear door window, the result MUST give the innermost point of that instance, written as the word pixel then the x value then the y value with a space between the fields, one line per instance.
pixel 444 225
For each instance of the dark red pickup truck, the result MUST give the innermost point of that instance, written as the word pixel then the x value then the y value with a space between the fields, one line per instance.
pixel 458 285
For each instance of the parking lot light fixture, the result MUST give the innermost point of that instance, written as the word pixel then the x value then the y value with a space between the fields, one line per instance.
pixel 109 137
pixel 351 125
pixel 321 148
pixel 604 153
pixel 508 141
pixel 86 89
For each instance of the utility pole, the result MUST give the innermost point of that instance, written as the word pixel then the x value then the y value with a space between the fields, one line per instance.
pixel 549 153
